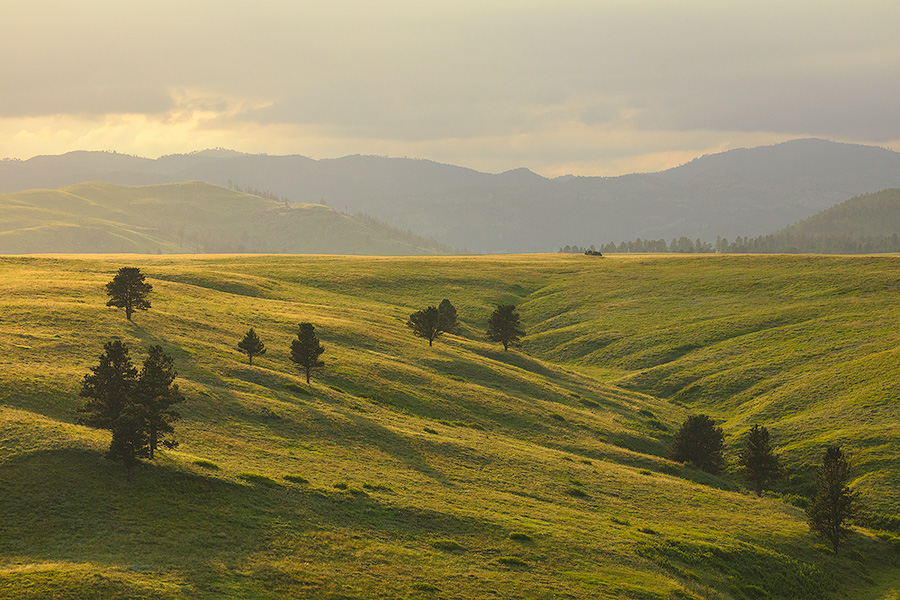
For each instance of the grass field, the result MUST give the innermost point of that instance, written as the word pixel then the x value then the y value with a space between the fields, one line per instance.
pixel 460 470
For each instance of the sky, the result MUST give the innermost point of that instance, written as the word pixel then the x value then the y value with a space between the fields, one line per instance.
pixel 602 87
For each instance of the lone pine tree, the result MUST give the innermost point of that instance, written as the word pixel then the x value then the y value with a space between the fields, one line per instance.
pixel 129 291
pixel 700 442
pixel 757 461
pixel 305 350
pixel 834 504
pixel 251 345
pixel 504 326
pixel 427 323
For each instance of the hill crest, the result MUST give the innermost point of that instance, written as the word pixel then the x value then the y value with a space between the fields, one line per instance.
pixel 188 217
pixel 875 214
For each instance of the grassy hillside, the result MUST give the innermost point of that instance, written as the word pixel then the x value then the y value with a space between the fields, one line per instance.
pixel 808 346
pixel 458 471
pixel 876 214
pixel 185 218
pixel 864 224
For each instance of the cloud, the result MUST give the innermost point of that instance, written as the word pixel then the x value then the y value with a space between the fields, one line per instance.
pixel 570 83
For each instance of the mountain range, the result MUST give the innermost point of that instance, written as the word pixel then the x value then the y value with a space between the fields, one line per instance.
pixel 746 192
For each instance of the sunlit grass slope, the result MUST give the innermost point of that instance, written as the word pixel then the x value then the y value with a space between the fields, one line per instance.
pixel 184 218
pixel 457 471
pixel 808 346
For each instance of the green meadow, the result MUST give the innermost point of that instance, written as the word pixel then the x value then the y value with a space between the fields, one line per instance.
pixel 458 470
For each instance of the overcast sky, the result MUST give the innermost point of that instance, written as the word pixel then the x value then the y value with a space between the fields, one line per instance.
pixel 599 87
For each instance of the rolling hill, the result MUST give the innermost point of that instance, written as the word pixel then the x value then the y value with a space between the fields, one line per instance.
pixel 746 192
pixel 460 470
pixel 187 218
pixel 867 224
pixel 869 215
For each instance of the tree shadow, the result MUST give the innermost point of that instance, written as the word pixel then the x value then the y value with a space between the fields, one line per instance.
pixel 400 447
pixel 73 505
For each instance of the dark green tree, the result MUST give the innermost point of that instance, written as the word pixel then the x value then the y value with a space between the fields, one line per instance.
pixel 109 391
pixel 129 291
pixel 136 408
pixel 758 463
pixel 426 324
pixel 835 504
pixel 130 438
pixel 505 326
pixel 251 345
pixel 449 321
pixel 108 388
pixel 157 393
pixel 700 442
pixel 305 350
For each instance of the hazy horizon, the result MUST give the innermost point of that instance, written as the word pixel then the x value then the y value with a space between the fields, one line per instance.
pixel 586 88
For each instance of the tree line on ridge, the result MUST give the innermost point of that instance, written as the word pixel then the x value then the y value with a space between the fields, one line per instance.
pixel 775 243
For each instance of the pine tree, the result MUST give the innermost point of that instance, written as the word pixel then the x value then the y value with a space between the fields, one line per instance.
pixel 136 408
pixel 426 324
pixel 305 350
pixel 251 345
pixel 757 461
pixel 835 504
pixel 129 291
pixel 109 391
pixel 504 325
pixel 700 442
pixel 157 394
pixel 108 388
pixel 449 321
pixel 130 438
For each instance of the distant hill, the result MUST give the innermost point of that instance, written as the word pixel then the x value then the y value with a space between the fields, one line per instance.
pixel 876 214
pixel 746 192
pixel 865 224
pixel 862 225
pixel 188 218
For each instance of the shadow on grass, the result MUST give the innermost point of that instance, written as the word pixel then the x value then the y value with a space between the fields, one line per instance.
pixel 516 359
pixel 487 376
pixel 70 504
pixel 73 505
pixel 185 361
pixel 393 444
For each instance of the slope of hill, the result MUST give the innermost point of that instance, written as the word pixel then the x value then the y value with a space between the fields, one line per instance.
pixel 867 224
pixel 869 215
pixel 185 218
pixel 745 192
pixel 402 470
pixel 824 163
pixel 786 341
